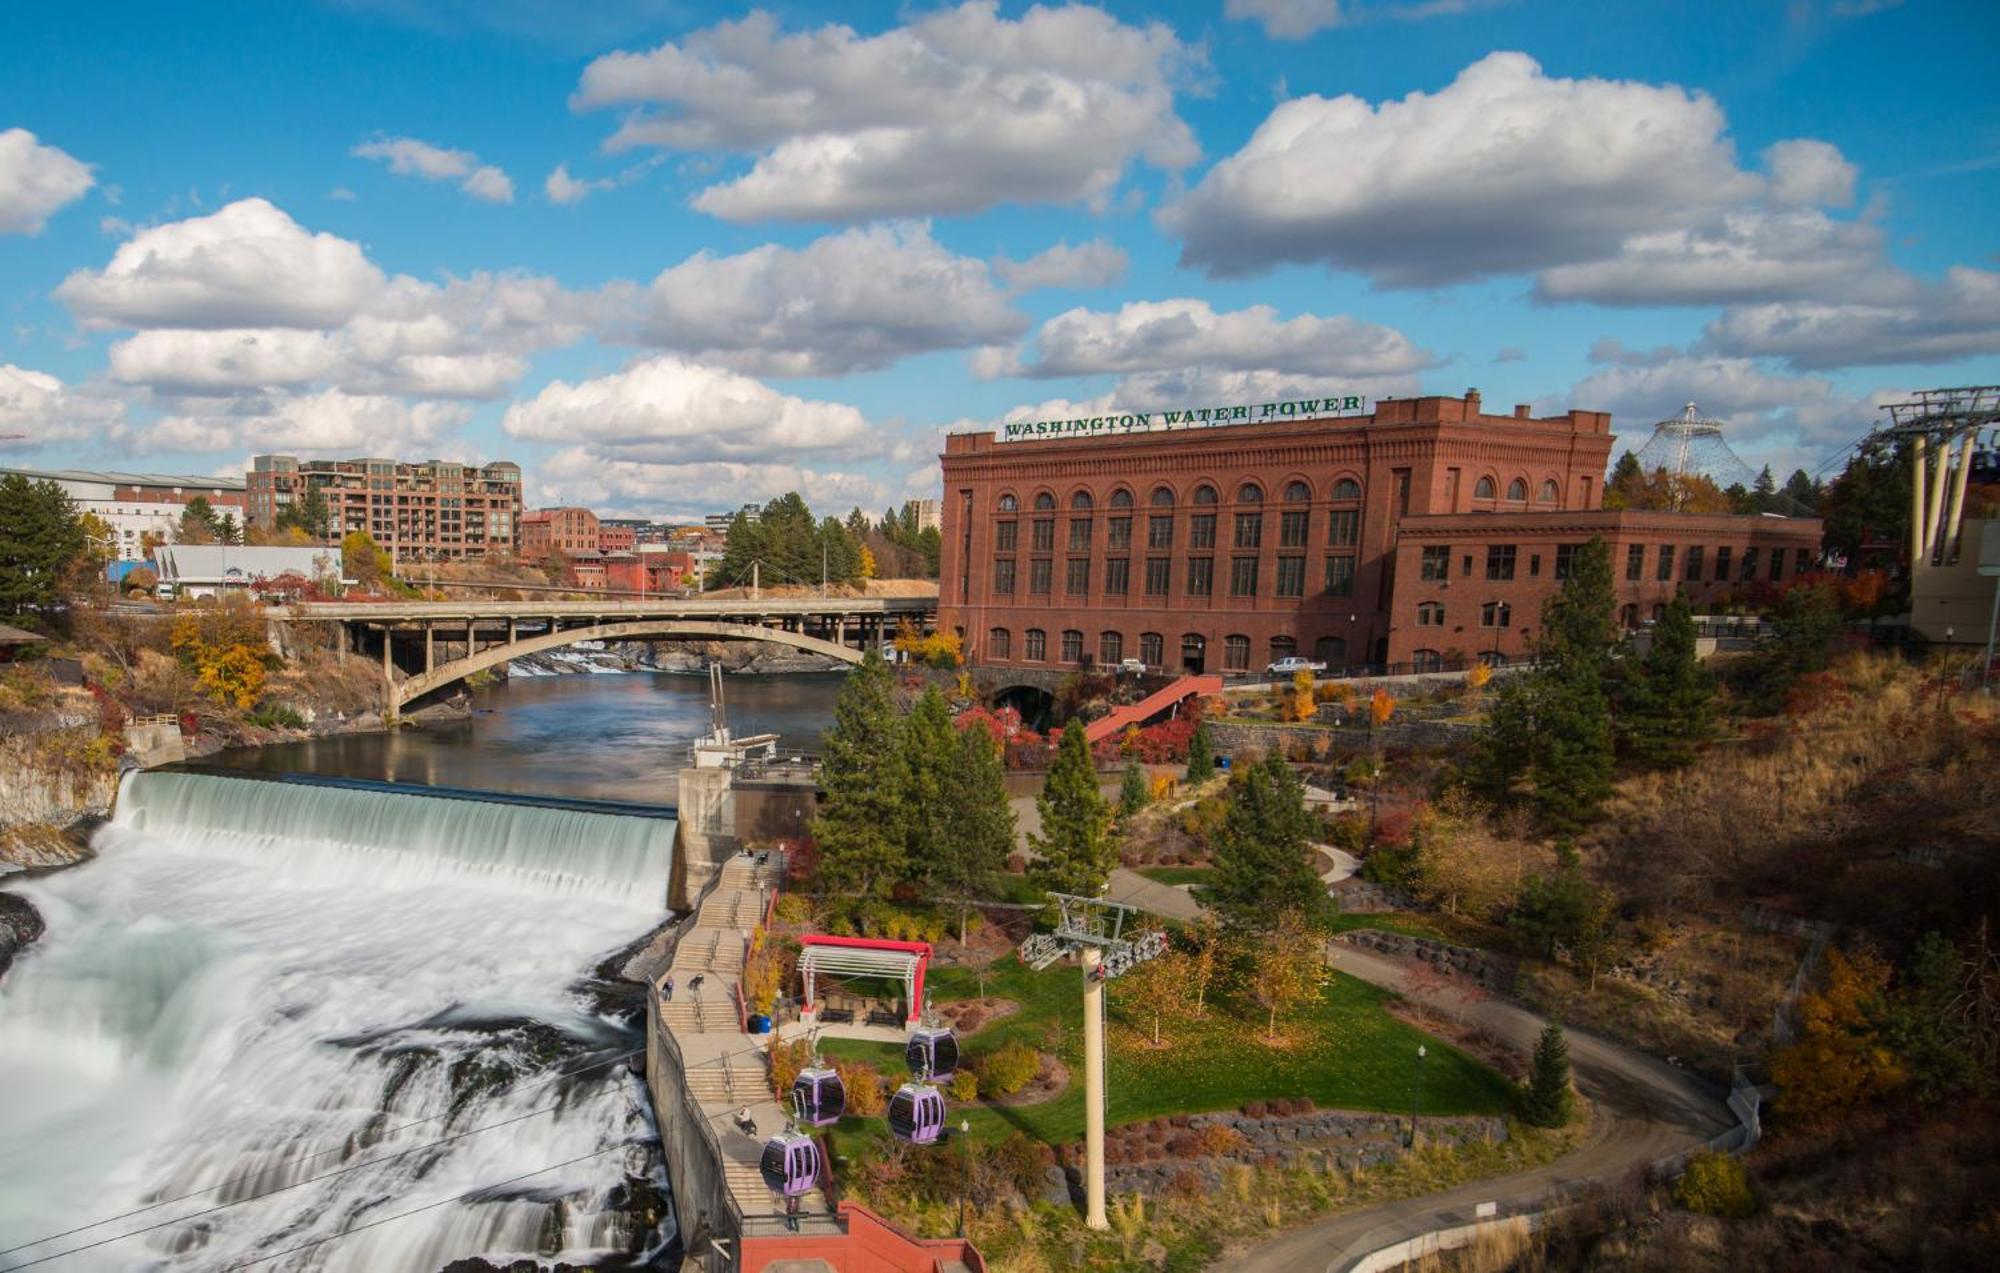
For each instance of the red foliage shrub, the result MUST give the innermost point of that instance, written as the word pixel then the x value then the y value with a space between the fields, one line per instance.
pixel 1254 1109
pixel 801 861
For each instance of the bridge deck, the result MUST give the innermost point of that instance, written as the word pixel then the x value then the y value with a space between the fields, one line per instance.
pixel 774 607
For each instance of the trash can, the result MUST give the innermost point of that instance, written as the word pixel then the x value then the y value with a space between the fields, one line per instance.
pixel 759 1023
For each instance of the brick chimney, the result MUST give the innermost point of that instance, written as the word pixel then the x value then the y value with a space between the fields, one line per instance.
pixel 1471 403
pixel 1521 410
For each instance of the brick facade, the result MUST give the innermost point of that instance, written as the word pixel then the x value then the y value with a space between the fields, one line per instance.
pixel 1221 549
pixel 413 511
pixel 570 531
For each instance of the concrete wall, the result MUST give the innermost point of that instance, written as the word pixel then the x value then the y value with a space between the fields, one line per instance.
pixel 155 742
pixel 708 836
pixel 1957 596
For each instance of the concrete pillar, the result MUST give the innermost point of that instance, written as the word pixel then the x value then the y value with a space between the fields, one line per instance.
pixel 388 670
pixel 1093 1090
pixel 1955 505
pixel 1919 541
pixel 1940 478
pixel 430 653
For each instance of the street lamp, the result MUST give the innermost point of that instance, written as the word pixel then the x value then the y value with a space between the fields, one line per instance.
pixel 1944 673
pixel 964 1169
pixel 1417 1103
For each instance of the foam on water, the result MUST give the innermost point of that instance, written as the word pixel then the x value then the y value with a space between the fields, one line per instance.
pixel 258 984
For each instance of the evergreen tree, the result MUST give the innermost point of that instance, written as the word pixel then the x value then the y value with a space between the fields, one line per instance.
pixel 1132 793
pixel 929 754
pixel 1801 493
pixel 197 524
pixel 1764 492
pixel 979 823
pixel 861 825
pixel 1802 633
pixel 1201 755
pixel 1741 501
pixel 1559 911
pixel 1870 499
pixel 307 513
pixel 227 531
pixel 1669 703
pixel 1626 487
pixel 1261 865
pixel 1074 842
pixel 1572 758
pixel 1548 1101
pixel 41 538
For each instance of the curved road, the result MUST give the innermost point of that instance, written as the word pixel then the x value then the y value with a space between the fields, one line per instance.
pixel 1645 1111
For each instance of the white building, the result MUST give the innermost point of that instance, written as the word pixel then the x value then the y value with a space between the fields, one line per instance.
pixel 206 570
pixel 927 513
pixel 137 504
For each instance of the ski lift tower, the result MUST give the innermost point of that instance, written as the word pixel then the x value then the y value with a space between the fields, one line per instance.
pixel 1931 422
pixel 1094 930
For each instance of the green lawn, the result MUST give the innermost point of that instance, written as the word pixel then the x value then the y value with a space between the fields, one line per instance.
pixel 1348 1054
pixel 1177 874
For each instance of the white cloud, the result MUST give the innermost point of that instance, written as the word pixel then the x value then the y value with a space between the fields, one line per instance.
pixel 954 112
pixel 1743 255
pixel 1188 335
pixel 1804 171
pixel 859 299
pixel 667 410
pixel 1286 19
pixel 1093 264
pixel 580 476
pixel 35 181
pixel 44 409
pixel 565 189
pixel 415 158
pixel 1783 419
pixel 1505 170
pixel 1957 317
pixel 246 265
pixel 326 423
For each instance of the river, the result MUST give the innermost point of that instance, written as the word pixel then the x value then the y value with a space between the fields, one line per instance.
pixel 307 1028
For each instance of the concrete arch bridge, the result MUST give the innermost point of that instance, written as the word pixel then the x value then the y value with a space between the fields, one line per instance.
pixel 428 646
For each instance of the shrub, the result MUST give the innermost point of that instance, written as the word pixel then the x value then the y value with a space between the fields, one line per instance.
pixel 787 1059
pixel 1254 1109
pixel 1715 1184
pixel 277 716
pixel 866 1092
pixel 1009 1068
pixel 963 1088
pixel 1217 1140
pixel 793 909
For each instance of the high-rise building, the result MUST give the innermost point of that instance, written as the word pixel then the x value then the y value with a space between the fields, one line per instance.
pixel 926 513
pixel 433 509
pixel 135 505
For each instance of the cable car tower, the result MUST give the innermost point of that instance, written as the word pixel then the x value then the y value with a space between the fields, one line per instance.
pixel 1690 444
pixel 1093 929
pixel 1931 422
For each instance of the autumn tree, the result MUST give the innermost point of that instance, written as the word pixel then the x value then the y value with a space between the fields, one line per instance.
pixel 1161 988
pixel 224 646
pixel 364 561
pixel 1287 971
pixel 1262 863
pixel 1381 707
pixel 1842 1057
pixel 1074 844
pixel 1204 960
pixel 860 829
pixel 1548 1100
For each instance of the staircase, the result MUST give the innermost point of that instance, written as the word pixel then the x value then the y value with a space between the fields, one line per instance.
pixel 1151 705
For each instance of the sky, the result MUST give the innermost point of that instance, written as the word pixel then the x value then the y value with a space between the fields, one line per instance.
pixel 671 258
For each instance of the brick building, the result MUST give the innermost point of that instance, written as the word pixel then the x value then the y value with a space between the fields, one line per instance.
pixel 570 531
pixel 413 511
pixel 1222 548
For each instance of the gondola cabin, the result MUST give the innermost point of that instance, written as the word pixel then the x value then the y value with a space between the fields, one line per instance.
pixel 818 1098
pixel 790 1165
pixel 916 1114
pixel 932 1053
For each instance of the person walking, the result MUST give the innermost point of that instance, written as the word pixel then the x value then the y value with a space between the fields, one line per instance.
pixel 694 986
pixel 667 989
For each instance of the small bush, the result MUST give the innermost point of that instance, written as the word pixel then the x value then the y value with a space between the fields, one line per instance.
pixel 1009 1068
pixel 1715 1184
pixel 1217 1140
pixel 866 1092
pixel 1254 1109
pixel 793 909
pixel 787 1059
pixel 276 716
pixel 964 1087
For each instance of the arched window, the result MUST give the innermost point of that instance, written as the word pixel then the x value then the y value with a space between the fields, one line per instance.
pixel 1204 494
pixel 1518 489
pixel 1426 661
pixel 1121 498
pixel 1346 488
pixel 1332 651
pixel 1044 500
pixel 1297 493
pixel 1110 648
pixel 1485 490
pixel 999 643
pixel 1496 614
pixel 1236 654
pixel 1009 504
pixel 1082 500
pixel 1038 644
pixel 1249 493
pixel 1163 497
pixel 1550 491
pixel 1283 647
pixel 1430 614
pixel 1072 646
pixel 1152 649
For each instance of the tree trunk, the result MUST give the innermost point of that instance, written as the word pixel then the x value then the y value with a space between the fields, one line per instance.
pixel 961 924
pixel 1271 1023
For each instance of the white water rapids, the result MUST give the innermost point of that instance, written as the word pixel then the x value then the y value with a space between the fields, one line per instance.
pixel 258 983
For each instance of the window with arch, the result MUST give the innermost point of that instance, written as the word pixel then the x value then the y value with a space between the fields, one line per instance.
pixel 1194 651
pixel 1518 489
pixel 1283 647
pixel 1038 644
pixel 1486 489
pixel 1121 498
pixel 1426 661
pixel 1072 646
pixel 1332 651
pixel 1430 614
pixel 1110 648
pixel 1347 488
pixel 1249 493
pixel 1297 493
pixel 1236 654
pixel 999 643
pixel 1152 649
pixel 1205 494
pixel 1008 504
pixel 1044 501
pixel 1550 491
pixel 1162 497
pixel 1082 501
pixel 1496 614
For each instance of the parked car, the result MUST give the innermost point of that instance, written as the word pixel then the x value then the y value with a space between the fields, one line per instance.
pixel 1293 665
pixel 1131 667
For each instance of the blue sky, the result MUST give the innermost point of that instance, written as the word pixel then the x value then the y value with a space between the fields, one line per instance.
pixel 671 258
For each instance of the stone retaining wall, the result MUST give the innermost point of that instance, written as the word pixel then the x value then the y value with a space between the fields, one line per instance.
pixel 1231 737
pixel 1494 971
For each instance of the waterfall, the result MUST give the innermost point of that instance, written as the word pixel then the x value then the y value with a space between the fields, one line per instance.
pixel 309 987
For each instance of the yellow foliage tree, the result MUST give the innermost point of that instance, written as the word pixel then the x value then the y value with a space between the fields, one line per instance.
pixel 1381 707
pixel 1128 742
pixel 939 649
pixel 1477 676
pixel 1287 971
pixel 1160 989
pixel 1303 703
pixel 222 647
pixel 1842 1058
pixel 867 563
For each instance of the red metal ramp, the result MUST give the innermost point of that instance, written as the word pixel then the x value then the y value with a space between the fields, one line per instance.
pixel 1152 705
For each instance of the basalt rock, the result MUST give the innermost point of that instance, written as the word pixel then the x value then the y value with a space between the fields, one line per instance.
pixel 20 925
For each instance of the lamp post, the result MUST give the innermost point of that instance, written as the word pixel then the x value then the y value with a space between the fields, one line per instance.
pixel 1417 1102
pixel 964 1169
pixel 1944 674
